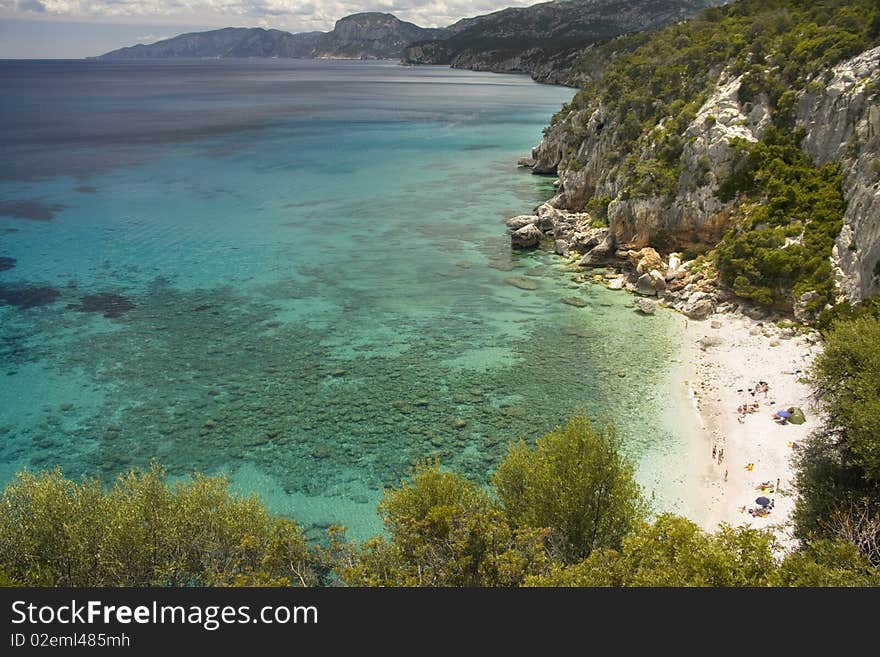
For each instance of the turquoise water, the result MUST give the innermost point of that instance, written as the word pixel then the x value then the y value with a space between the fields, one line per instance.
pixel 296 273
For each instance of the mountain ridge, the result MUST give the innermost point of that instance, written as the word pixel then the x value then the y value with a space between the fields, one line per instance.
pixel 544 40
pixel 366 35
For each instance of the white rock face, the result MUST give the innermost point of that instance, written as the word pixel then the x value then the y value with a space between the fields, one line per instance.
pixel 706 162
pixel 707 158
pixel 841 115
pixel 842 119
pixel 673 266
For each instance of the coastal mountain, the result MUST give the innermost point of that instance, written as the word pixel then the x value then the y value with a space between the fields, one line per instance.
pixel 227 42
pixel 745 140
pixel 545 40
pixel 370 35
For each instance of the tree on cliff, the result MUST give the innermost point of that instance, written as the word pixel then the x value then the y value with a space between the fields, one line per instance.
pixel 839 469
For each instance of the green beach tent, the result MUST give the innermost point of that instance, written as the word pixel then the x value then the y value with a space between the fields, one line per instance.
pixel 797 415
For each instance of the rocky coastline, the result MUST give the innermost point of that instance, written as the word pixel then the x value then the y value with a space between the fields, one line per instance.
pixel 841 124
pixel 689 287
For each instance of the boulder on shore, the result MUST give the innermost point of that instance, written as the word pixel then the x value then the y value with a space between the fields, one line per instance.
pixel 645 260
pixel 644 285
pixel 583 241
pixel 617 283
pixel 526 237
pixel 646 306
pixel 658 281
pixel 651 283
pixel 596 256
pixel 699 309
pixel 520 221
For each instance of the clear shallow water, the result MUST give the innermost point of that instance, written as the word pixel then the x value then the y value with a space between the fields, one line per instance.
pixel 296 273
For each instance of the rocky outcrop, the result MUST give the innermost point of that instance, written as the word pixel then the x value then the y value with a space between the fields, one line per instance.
pixel 371 35
pixel 572 232
pixel 694 214
pixel 842 120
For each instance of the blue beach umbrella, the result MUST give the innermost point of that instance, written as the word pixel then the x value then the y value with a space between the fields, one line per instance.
pixel 763 501
pixel 784 414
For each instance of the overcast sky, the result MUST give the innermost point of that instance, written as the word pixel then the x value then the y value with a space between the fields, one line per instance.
pixel 79 28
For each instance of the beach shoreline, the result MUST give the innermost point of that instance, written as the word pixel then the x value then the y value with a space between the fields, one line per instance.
pixel 723 460
pixel 725 356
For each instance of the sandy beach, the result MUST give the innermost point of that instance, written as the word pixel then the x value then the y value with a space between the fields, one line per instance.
pixel 726 357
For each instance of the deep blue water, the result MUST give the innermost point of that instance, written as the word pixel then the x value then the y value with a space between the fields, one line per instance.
pixel 295 272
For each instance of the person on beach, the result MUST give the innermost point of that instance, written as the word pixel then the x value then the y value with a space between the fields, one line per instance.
pixel 714 447
pixel 720 456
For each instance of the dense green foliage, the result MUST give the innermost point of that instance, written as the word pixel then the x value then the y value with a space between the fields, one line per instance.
pixel 839 467
pixel 145 532
pixel 444 530
pixel 441 530
pixel 570 495
pixel 846 312
pixel 675 552
pixel 783 241
pixel 826 563
pixel 847 378
pixel 575 483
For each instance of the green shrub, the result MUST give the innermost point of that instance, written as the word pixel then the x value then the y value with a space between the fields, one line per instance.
pixel 144 532
pixel 791 198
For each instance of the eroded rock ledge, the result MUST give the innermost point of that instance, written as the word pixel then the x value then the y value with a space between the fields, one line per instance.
pixel 689 287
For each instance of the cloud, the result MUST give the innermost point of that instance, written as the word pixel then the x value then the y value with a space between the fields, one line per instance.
pixel 31 5
pixel 152 38
pixel 295 15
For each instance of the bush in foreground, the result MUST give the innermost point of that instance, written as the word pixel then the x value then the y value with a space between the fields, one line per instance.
pixel 143 531
pixel 564 513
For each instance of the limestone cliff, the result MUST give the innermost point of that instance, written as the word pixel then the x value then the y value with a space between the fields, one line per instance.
pixel 693 214
pixel 604 158
pixel 842 120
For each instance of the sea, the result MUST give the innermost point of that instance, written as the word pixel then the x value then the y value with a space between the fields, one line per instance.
pixel 296 274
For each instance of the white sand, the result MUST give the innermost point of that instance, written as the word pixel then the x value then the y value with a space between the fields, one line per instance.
pixel 742 357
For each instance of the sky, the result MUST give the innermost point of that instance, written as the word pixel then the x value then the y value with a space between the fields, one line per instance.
pixel 81 28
